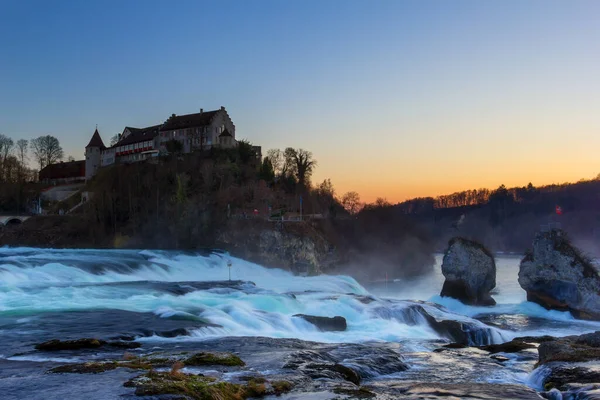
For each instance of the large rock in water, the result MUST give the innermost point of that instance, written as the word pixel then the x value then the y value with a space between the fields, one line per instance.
pixel 556 276
pixel 327 324
pixel 470 272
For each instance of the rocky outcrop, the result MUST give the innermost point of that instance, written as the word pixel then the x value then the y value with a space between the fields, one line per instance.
pixel 326 324
pixel 295 246
pixel 556 276
pixel 470 272
pixel 86 343
pixel 571 349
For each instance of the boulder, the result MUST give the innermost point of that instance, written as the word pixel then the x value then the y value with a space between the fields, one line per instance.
pixel 470 272
pixel 327 324
pixel 556 276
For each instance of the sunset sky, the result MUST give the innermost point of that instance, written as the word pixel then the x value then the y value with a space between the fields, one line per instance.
pixel 394 98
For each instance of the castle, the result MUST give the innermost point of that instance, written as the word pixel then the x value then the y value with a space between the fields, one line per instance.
pixel 192 132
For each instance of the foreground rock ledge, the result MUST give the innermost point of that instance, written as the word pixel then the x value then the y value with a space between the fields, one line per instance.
pixel 470 272
pixel 556 276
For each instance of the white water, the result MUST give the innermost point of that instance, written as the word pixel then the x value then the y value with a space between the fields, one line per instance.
pixel 34 281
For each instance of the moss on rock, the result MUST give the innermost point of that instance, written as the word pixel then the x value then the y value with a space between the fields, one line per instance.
pixel 204 358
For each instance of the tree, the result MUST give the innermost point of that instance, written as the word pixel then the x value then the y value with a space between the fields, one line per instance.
pixel 115 139
pixel 46 150
pixel 351 202
pixel 304 166
pixel 174 146
pixel 289 164
pixel 70 159
pixel 381 202
pixel 326 189
pixel 22 145
pixel 277 160
pixel 266 171
pixel 22 155
pixel 245 151
pixel 6 145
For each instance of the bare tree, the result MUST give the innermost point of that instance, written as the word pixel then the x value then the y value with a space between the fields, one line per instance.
pixel 6 145
pixel 46 150
pixel 351 202
pixel 70 159
pixel 22 145
pixel 115 139
pixel 305 165
pixel 275 156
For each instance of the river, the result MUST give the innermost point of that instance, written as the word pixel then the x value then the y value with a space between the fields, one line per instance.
pixel 167 300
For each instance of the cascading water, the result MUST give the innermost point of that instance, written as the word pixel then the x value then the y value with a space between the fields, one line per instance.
pixel 184 299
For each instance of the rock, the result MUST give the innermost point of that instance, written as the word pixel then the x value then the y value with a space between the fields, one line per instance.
pixel 204 358
pixel 55 345
pixel 326 324
pixel 84 368
pixel 561 376
pixel 407 390
pixel 513 346
pixel 556 276
pixel 350 362
pixel 467 333
pixel 298 247
pixel 470 272
pixel 87 343
pixel 499 358
pixel 571 349
pixel 124 344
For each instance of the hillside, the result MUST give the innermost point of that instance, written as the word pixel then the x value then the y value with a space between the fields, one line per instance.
pixel 507 219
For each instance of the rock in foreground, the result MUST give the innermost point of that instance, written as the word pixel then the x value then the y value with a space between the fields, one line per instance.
pixel 556 276
pixel 470 272
pixel 571 349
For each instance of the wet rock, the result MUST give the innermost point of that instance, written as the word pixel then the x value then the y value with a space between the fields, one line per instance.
pixel 467 333
pixel 444 391
pixel 571 349
pixel 470 272
pixel 326 324
pixel 556 276
pixel 56 345
pixel 351 363
pixel 86 343
pixel 499 358
pixel 205 358
pixel 84 368
pixel 561 376
pixel 513 346
pixel 369 361
pixel 124 344
pixel 318 365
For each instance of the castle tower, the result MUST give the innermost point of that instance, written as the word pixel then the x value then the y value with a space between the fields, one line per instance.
pixel 93 155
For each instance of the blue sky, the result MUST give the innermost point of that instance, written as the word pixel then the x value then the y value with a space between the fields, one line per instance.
pixel 394 98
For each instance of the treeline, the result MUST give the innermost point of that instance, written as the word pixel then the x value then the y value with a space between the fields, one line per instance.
pixel 505 219
pixel 17 179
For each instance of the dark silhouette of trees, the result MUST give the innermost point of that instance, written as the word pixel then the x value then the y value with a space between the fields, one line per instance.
pixel 351 202
pixel 46 150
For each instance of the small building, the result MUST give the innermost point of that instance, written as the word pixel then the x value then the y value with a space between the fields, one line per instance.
pixel 64 173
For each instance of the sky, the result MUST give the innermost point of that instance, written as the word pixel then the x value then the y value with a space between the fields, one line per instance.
pixel 395 99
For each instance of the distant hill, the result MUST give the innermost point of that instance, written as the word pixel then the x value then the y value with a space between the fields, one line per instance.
pixel 505 219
